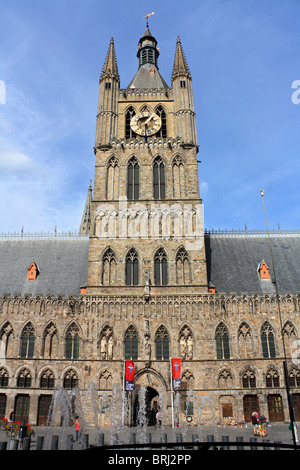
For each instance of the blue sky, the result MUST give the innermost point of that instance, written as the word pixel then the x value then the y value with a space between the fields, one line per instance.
pixel 243 56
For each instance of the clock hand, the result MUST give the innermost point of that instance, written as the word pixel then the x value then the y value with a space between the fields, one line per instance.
pixel 149 118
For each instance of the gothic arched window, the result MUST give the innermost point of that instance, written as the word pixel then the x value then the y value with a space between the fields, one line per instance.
pixel 272 379
pixel 160 268
pixel 222 342
pixel 294 378
pixel 50 342
pixel 249 379
pixel 133 179
pixel 159 179
pixel 162 344
pixel 182 267
pixel 6 336
pixel 178 178
pixel 289 334
pixel 225 379
pixel 132 268
pixel 70 380
pixel 47 379
pixel 72 342
pixel 131 343
pixel 267 341
pixel 245 340
pixel 24 379
pixel 27 341
pixel 109 268
pixel 106 380
pixel 162 114
pixel 112 179
pixel 128 131
pixel 3 377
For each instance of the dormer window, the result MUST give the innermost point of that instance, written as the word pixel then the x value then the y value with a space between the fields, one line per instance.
pixel 33 271
pixel 263 270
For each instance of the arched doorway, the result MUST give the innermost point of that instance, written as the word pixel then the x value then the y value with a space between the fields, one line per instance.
pixel 151 399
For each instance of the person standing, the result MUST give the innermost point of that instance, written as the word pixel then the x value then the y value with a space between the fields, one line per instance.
pixel 254 420
pixel 77 427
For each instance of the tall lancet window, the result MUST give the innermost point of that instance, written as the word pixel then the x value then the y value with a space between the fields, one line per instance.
pixel 222 342
pixel 160 268
pixel 132 268
pixel 159 179
pixel 131 343
pixel 268 341
pixel 72 342
pixel 27 341
pixel 183 275
pixel 128 131
pixel 133 179
pixel 112 179
pixel 109 268
pixel 163 130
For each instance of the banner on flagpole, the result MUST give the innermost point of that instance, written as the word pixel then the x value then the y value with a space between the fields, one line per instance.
pixel 176 372
pixel 129 375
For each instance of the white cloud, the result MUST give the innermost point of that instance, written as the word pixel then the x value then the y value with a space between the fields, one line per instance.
pixel 204 187
pixel 13 162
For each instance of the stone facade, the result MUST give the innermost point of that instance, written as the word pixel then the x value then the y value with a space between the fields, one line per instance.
pixel 169 305
pixel 193 316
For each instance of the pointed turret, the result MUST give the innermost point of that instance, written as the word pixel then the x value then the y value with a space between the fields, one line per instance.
pixel 184 112
pixel 109 86
pixel 180 66
pixel 110 68
pixel 85 225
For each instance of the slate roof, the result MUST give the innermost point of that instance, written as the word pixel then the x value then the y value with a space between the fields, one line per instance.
pixel 62 266
pixel 233 259
pixel 143 79
pixel 232 262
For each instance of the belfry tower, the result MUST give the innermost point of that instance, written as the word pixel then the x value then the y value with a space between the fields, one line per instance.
pixel 146 233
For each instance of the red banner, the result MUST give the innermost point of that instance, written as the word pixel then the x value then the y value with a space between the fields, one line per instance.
pixel 129 375
pixel 176 372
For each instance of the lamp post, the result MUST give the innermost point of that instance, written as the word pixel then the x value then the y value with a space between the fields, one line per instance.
pixel 289 398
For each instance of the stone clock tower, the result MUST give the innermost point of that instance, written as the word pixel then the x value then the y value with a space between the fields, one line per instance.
pixel 147 232
pixel 147 260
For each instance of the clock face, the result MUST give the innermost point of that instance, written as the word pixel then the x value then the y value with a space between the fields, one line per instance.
pixel 145 123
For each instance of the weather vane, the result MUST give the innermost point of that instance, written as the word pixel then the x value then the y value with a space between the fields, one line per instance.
pixel 147 16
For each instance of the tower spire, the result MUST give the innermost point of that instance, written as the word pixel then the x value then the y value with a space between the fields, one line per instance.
pixel 184 112
pixel 110 68
pixel 85 225
pixel 180 66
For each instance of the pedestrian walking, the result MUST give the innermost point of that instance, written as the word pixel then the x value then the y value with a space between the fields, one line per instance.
pixel 77 427
pixel 254 420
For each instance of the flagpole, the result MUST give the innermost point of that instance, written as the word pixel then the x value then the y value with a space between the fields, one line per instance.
pixel 123 404
pixel 172 393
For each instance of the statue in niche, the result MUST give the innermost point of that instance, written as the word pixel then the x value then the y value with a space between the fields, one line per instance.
pixel 106 344
pixel 110 347
pixel 147 344
pixel 103 347
pixel 186 344
pixel 182 347
pixel 190 347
